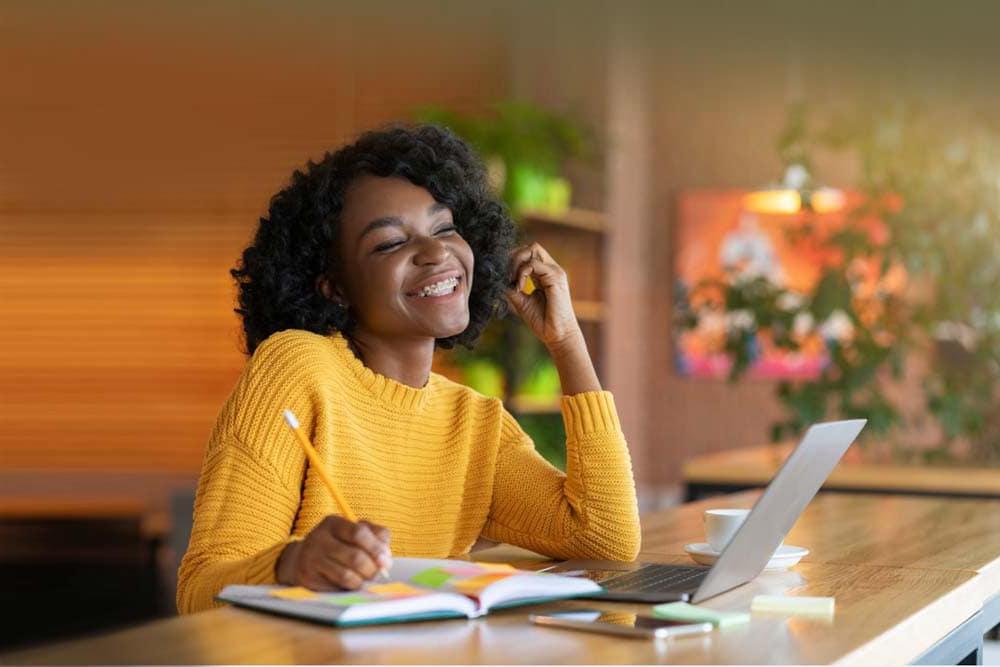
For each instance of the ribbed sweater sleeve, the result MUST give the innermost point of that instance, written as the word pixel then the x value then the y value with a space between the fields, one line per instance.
pixel 243 519
pixel 251 480
pixel 588 512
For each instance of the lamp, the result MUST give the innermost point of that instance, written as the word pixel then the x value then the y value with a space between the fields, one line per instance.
pixel 793 194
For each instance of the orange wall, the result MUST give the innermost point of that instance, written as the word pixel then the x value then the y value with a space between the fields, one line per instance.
pixel 138 146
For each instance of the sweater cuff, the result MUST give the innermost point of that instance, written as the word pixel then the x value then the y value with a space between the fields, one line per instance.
pixel 590 412
pixel 263 568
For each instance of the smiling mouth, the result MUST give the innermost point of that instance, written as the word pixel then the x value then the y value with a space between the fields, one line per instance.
pixel 441 288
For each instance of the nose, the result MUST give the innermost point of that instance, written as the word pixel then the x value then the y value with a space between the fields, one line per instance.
pixel 431 251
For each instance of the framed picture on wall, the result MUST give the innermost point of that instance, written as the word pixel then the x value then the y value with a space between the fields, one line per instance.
pixel 719 240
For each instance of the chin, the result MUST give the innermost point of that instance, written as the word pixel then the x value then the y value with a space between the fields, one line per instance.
pixel 447 330
pixel 452 331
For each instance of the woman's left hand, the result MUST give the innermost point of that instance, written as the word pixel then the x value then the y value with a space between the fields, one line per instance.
pixel 548 311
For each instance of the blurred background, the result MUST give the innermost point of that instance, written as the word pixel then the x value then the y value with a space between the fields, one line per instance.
pixel 770 214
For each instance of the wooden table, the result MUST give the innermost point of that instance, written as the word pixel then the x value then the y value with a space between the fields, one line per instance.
pixel 859 471
pixel 906 572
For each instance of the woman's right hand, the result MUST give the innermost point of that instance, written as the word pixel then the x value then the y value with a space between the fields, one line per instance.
pixel 336 555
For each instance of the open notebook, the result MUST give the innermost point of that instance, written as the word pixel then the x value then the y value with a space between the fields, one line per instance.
pixel 417 589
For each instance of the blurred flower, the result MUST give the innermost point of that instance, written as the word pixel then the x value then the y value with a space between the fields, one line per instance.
pixel 740 320
pixel 958 332
pixel 803 324
pixel 875 228
pixel 894 280
pixel 790 301
pixel 711 322
pixel 838 326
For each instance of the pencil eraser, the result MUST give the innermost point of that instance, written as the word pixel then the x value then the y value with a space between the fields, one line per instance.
pixel 780 604
pixel 682 611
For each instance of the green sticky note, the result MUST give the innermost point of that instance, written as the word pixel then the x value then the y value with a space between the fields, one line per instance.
pixel 682 611
pixel 432 578
pixel 347 600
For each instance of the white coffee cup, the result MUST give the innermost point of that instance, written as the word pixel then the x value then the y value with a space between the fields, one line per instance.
pixel 721 525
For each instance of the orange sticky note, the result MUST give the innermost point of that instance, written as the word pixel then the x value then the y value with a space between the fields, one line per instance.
pixel 395 589
pixel 497 567
pixel 474 585
pixel 294 593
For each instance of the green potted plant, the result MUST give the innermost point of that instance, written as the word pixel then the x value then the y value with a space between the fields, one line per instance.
pixel 526 148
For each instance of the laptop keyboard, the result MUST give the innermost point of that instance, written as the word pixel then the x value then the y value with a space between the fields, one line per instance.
pixel 655 578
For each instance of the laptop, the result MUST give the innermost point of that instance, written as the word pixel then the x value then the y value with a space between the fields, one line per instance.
pixel 748 552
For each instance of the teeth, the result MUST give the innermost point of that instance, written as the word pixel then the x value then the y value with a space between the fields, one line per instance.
pixel 446 286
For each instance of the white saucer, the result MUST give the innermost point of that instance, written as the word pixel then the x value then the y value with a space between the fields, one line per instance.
pixel 785 557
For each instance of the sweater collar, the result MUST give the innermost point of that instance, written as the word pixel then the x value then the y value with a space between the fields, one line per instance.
pixel 382 388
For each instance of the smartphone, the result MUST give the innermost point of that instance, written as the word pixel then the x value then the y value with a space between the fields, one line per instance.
pixel 619 623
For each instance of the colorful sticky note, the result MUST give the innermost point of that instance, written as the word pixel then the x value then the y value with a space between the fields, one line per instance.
pixel 476 569
pixel 475 585
pixel 464 570
pixel 497 567
pixel 348 599
pixel 294 593
pixel 396 589
pixel 435 577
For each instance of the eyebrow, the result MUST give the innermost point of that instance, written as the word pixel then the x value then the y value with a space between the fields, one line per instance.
pixel 394 221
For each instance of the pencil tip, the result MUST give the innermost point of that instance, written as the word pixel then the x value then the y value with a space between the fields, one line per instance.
pixel 291 419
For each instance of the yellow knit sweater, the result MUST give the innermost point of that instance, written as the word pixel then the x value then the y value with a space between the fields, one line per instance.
pixel 439 466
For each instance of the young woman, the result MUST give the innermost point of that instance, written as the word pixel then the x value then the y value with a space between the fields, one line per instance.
pixel 365 263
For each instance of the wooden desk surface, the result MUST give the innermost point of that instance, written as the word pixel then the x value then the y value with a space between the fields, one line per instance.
pixel 755 466
pixel 915 532
pixel 908 587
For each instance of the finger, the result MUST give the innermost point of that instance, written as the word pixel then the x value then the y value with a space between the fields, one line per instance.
pixel 543 254
pixel 384 558
pixel 519 257
pixel 529 264
pixel 381 532
pixel 542 273
pixel 357 561
pixel 340 576
pixel 331 576
pixel 361 535
pixel 518 300
pixel 319 572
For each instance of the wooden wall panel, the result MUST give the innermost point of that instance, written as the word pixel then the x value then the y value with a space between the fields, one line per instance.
pixel 137 149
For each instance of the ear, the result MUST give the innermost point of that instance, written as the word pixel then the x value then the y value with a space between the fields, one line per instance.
pixel 330 290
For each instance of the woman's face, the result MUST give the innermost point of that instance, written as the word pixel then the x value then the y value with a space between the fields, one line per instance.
pixel 403 268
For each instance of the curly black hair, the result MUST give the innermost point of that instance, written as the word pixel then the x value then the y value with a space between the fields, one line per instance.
pixel 276 276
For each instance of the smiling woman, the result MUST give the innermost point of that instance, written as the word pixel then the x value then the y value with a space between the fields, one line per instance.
pixel 366 262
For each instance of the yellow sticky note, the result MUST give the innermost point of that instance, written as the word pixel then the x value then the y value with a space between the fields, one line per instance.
pixel 497 567
pixel 294 593
pixel 395 589
pixel 474 585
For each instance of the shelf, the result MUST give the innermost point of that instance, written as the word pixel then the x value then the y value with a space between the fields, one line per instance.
pixel 576 218
pixel 588 311
pixel 535 405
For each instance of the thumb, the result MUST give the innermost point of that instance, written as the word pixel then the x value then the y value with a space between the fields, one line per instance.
pixel 517 300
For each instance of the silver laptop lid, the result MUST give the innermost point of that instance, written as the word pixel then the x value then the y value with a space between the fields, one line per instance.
pixel 774 513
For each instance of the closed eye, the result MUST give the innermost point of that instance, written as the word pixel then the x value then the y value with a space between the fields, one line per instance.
pixel 446 230
pixel 388 246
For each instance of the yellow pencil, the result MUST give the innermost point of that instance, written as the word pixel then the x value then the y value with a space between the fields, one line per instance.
pixel 313 457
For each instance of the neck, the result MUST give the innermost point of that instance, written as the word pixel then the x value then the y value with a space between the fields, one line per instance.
pixel 405 360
